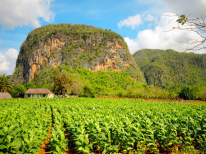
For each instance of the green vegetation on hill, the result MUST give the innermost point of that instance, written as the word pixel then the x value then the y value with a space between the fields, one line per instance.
pixel 100 83
pixel 168 68
pixel 87 83
pixel 107 83
pixel 183 73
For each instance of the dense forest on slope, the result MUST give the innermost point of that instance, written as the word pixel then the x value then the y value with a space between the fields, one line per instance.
pixel 76 46
pixel 171 69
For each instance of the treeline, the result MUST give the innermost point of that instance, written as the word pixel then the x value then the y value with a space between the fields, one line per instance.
pixel 86 83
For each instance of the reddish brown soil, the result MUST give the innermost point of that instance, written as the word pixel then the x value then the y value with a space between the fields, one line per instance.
pixel 44 147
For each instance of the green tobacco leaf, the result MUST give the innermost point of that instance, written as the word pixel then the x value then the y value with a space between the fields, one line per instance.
pixel 3 146
pixel 1 132
pixel 16 143
pixel 5 129
pixel 151 144
pixel 129 148
pixel 80 149
pixel 26 140
pixel 58 148
pixel 8 139
pixel 199 128
pixel 104 151
pixel 78 143
pixel 169 144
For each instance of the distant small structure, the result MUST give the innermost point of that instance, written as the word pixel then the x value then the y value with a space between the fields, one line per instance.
pixel 38 93
pixel 65 95
pixel 5 95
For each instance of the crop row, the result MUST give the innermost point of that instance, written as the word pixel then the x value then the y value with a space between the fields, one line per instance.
pixel 23 126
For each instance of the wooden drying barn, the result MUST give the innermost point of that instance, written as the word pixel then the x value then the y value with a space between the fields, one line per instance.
pixel 38 93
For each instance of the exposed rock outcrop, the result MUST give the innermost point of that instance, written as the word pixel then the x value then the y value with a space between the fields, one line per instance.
pixel 74 45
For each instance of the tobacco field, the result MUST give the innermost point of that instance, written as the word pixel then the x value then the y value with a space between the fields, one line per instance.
pixel 97 125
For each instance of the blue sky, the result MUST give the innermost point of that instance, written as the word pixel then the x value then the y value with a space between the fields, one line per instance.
pixel 141 23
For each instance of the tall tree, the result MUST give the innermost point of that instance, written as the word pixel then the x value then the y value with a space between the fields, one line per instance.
pixel 19 90
pixel 29 85
pixel 4 84
pixel 63 83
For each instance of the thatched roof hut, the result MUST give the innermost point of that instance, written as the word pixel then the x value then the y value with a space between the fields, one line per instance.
pixel 5 95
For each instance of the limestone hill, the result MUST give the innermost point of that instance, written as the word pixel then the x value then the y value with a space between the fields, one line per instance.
pixel 74 46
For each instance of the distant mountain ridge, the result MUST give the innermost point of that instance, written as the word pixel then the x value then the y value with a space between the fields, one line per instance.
pixel 168 68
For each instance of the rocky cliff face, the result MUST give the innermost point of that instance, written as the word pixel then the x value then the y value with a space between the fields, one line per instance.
pixel 76 46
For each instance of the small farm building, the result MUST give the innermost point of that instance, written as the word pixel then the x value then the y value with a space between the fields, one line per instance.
pixel 38 92
pixel 5 95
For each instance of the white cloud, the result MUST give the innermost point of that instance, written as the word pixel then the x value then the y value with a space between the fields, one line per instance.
pixel 8 61
pixel 4 64
pixel 194 8
pixel 160 37
pixel 24 12
pixel 0 41
pixel 149 17
pixel 131 21
pixel 133 45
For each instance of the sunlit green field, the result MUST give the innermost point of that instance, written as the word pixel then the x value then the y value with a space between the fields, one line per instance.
pixel 97 125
